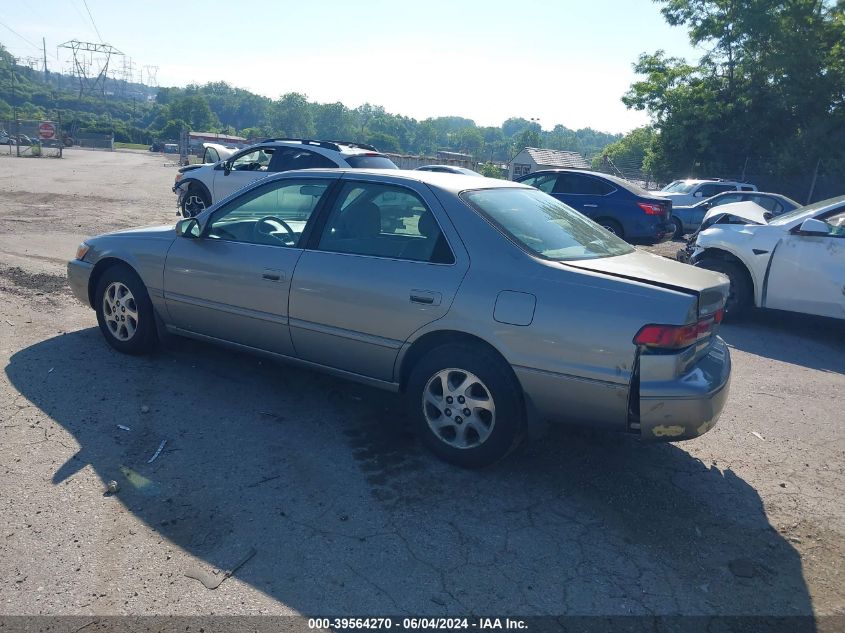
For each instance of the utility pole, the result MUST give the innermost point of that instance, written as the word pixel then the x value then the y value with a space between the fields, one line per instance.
pixel 813 184
pixel 44 49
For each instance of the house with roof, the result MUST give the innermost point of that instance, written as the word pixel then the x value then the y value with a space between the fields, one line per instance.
pixel 531 159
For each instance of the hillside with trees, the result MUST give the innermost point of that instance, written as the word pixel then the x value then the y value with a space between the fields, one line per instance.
pixel 220 107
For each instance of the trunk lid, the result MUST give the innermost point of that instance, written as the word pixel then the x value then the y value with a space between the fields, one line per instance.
pixel 710 288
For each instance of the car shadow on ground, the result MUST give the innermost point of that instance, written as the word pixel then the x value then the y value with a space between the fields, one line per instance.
pixel 350 516
pixel 799 339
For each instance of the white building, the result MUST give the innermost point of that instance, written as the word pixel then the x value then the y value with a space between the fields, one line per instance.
pixel 533 158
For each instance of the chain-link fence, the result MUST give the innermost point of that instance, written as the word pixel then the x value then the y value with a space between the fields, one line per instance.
pixel 28 138
pixel 820 180
pixel 93 140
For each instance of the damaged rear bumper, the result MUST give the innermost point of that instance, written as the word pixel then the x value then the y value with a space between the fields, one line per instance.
pixel 685 407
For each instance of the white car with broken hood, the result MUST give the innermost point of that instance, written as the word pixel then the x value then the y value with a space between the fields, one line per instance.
pixel 793 262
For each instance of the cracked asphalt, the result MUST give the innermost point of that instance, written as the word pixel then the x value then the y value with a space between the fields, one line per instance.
pixel 347 513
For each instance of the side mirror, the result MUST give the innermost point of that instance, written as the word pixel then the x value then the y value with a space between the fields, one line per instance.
pixel 227 167
pixel 811 226
pixel 698 194
pixel 189 227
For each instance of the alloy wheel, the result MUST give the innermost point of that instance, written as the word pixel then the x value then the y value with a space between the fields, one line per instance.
pixel 193 206
pixel 459 408
pixel 120 311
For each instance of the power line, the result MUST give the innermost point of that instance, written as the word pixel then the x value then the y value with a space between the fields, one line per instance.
pixel 20 36
pixel 92 20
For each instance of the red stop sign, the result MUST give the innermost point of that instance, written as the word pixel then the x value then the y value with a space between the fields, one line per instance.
pixel 47 130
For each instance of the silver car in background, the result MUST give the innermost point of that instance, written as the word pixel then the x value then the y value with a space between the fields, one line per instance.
pixel 490 304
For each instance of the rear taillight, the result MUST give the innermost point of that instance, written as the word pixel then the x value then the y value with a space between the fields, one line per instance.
pixel 677 336
pixel 652 209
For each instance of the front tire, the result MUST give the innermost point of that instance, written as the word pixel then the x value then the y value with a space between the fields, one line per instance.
pixel 466 405
pixel 679 229
pixel 193 203
pixel 124 311
pixel 740 296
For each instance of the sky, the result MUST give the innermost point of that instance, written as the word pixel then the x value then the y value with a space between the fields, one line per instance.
pixel 559 61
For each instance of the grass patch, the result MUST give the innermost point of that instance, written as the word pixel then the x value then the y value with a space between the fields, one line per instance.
pixel 131 146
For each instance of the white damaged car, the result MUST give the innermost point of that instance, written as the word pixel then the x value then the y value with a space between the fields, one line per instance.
pixel 793 262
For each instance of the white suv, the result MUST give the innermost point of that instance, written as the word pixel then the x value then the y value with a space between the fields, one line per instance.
pixel 200 186
pixel 686 192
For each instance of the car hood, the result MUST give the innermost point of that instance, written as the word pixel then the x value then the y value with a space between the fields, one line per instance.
pixel 710 287
pixel 749 211
pixel 182 170
pixel 162 230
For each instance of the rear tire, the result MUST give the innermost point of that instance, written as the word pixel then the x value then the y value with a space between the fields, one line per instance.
pixel 613 226
pixel 740 297
pixel 125 313
pixel 466 405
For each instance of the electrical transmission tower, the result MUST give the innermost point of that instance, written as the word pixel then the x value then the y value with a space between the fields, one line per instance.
pixel 90 64
pixel 151 72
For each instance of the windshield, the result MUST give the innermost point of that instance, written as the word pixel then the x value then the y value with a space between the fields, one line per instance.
pixel 810 209
pixel 679 186
pixel 371 162
pixel 545 226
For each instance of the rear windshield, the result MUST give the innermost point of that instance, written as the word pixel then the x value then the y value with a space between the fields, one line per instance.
pixel 370 162
pixel 545 226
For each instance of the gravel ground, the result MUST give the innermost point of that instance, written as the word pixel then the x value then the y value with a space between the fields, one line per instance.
pixel 347 514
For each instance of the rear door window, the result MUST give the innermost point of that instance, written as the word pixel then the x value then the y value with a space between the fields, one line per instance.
pixel 370 162
pixel 287 158
pixel 581 184
pixel 384 221
pixel 728 199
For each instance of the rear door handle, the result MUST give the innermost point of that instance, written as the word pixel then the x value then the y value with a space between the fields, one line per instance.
pixel 425 297
pixel 591 206
pixel 272 275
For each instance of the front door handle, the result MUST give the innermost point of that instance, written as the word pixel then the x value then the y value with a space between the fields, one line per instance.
pixel 425 297
pixel 591 206
pixel 271 274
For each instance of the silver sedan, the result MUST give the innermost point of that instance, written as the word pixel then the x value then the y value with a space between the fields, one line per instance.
pixel 491 305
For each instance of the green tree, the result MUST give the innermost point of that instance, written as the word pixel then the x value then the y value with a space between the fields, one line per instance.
pixel 527 138
pixel 194 111
pixel 770 86
pixel 629 152
pixel 491 171
pixel 292 113
pixel 334 121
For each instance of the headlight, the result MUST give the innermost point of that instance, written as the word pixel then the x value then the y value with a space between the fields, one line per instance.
pixel 179 176
pixel 82 250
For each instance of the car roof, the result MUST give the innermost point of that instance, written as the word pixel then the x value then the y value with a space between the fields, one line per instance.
pixel 349 148
pixel 700 181
pixel 619 182
pixel 454 183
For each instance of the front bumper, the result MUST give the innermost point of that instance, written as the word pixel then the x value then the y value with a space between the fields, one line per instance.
pixel 78 277
pixel 688 406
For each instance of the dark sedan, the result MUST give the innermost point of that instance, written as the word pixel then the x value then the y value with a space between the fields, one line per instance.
pixel 621 207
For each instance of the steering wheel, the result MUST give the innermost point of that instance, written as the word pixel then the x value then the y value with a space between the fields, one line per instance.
pixel 268 221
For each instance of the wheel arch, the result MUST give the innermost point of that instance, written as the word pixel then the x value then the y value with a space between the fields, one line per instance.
pixel 101 267
pixel 728 256
pixel 430 340
pixel 196 183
